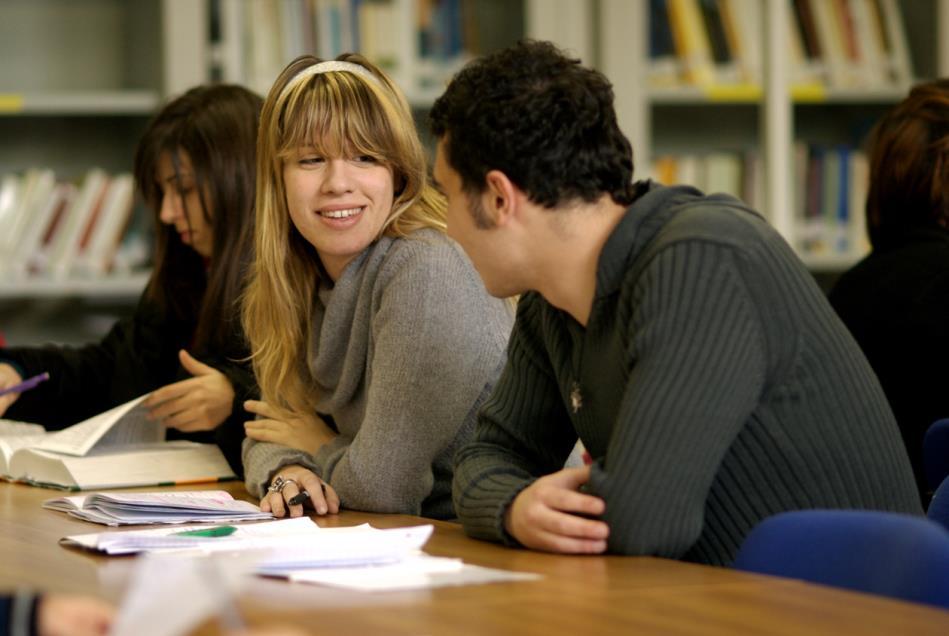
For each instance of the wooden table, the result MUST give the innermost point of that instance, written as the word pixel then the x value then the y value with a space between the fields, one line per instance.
pixel 577 596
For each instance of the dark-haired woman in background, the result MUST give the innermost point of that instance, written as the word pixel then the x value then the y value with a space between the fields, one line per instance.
pixel 896 300
pixel 195 169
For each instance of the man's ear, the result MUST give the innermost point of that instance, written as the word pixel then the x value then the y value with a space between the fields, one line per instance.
pixel 501 198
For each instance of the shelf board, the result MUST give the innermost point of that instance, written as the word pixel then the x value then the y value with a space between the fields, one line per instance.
pixel 119 102
pixel 752 94
pixel 831 262
pixel 123 286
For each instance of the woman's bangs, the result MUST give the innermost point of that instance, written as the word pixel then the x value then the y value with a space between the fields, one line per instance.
pixel 336 117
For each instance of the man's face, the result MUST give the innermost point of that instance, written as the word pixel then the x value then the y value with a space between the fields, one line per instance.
pixel 484 245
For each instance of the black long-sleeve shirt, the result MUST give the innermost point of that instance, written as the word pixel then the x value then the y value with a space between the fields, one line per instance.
pixel 138 355
pixel 716 387
pixel 896 304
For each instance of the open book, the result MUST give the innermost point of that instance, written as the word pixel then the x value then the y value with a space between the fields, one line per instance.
pixel 115 449
pixel 166 507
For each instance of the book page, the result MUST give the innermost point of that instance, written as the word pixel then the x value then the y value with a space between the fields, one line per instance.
pixel 65 504
pixel 12 428
pixel 124 424
pixel 10 445
pixel 171 499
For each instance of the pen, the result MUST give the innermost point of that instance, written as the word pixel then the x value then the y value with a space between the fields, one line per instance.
pixel 216 531
pixel 26 385
pixel 303 495
pixel 299 498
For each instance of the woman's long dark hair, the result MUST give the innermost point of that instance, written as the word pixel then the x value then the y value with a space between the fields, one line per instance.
pixel 909 165
pixel 216 126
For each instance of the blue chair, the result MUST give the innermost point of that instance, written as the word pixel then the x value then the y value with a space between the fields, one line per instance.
pixel 884 553
pixel 939 506
pixel 936 453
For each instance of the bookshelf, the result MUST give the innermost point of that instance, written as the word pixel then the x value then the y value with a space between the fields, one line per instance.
pixel 420 43
pixel 770 119
pixel 79 82
pixel 81 79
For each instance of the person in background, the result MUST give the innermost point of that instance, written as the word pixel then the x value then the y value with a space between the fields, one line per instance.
pixel 896 300
pixel 372 337
pixel 194 167
pixel 675 333
pixel 54 615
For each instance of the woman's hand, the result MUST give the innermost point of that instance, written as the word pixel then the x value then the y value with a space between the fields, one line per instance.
pixel 306 434
pixel 8 377
pixel 201 403
pixel 288 483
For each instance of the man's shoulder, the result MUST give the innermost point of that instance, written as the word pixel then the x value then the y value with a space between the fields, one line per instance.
pixel 718 218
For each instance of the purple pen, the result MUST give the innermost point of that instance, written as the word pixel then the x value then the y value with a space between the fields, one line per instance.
pixel 26 385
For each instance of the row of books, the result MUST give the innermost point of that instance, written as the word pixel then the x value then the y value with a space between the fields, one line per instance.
pixel 836 44
pixel 61 230
pixel 830 190
pixel 277 31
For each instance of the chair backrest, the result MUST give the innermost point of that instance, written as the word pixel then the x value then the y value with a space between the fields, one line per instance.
pixel 939 506
pixel 885 553
pixel 936 453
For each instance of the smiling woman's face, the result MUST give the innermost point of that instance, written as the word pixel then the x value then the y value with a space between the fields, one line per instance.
pixel 338 204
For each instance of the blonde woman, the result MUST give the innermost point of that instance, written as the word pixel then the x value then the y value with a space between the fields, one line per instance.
pixel 373 339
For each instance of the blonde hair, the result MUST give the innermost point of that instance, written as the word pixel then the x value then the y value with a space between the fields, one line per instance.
pixel 336 111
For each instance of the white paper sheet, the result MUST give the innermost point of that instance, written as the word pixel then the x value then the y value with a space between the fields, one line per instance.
pixel 157 539
pixel 414 573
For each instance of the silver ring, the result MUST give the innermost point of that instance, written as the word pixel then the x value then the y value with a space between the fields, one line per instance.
pixel 287 482
pixel 278 484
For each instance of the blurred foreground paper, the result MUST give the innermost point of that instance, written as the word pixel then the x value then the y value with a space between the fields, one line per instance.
pixel 172 594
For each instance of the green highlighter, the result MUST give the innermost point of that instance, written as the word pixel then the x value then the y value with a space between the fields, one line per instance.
pixel 216 531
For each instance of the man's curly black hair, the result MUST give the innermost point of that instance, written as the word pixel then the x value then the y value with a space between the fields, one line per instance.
pixel 540 118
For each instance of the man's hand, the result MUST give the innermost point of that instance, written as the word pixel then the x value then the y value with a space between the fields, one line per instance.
pixel 201 403
pixel 306 434
pixel 8 377
pixel 296 479
pixel 546 515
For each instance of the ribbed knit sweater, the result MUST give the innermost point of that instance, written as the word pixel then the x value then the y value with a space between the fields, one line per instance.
pixel 404 349
pixel 717 387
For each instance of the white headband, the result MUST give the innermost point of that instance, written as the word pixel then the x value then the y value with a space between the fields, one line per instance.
pixel 332 66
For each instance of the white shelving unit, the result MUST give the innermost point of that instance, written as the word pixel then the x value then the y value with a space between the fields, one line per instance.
pixel 769 119
pixel 114 287
pixel 497 22
pixel 79 82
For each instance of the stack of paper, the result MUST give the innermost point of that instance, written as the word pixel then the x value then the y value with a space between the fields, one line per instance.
pixel 199 538
pixel 139 508
pixel 360 558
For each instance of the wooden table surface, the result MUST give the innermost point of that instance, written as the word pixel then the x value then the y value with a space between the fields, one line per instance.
pixel 577 594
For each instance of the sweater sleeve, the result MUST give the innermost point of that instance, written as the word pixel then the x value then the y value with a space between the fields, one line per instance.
pixel 699 369
pixel 434 347
pixel 523 432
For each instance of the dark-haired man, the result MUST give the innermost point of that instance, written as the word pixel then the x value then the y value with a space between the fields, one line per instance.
pixel 676 334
